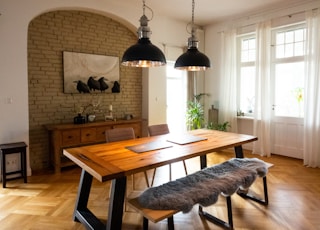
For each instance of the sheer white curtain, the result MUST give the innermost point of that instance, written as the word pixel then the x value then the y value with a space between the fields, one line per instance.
pixel 228 93
pixel 312 91
pixel 262 114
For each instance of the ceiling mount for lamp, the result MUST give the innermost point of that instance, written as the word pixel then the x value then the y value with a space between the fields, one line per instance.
pixel 143 53
pixel 193 59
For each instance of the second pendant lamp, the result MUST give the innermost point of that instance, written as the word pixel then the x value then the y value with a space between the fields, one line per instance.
pixel 193 59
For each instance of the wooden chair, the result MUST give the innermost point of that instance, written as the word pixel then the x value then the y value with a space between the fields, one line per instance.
pixel 161 129
pixel 121 134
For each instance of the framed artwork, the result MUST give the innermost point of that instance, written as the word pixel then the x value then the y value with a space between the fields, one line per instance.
pixel 90 73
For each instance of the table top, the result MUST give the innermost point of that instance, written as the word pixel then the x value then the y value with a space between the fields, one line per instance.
pixel 113 160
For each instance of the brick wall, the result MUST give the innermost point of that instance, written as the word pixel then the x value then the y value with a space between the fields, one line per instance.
pixel 49 35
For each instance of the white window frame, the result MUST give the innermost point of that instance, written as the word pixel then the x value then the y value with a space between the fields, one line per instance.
pixel 284 60
pixel 241 64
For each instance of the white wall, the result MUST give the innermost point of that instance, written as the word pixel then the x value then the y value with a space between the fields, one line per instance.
pixel 14 20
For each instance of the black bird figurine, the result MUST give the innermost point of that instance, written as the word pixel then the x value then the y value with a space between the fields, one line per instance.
pixel 82 87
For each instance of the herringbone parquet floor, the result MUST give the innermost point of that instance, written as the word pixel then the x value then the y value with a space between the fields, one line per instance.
pixel 46 202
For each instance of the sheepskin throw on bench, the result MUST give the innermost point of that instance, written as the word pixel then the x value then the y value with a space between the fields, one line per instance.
pixel 204 187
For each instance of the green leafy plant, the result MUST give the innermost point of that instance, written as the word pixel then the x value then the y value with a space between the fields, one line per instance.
pixel 195 115
pixel 219 126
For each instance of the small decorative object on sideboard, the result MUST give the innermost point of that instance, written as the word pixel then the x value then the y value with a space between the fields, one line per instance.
pixel 128 117
pixel 110 115
pixel 91 117
pixel 79 119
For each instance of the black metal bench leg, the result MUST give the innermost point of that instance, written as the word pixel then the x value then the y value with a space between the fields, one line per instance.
pixel 170 223
pixel 229 206
pixel 145 223
pixel 265 190
pixel 264 201
pixel 218 221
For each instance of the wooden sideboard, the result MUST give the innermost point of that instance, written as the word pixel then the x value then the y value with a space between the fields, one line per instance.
pixel 71 135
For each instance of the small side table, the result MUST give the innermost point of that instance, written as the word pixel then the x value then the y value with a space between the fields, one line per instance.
pixel 5 149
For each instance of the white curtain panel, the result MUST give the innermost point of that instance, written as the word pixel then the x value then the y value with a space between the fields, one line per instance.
pixel 262 114
pixel 228 92
pixel 312 91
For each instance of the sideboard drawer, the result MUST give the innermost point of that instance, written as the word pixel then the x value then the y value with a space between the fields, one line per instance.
pixel 70 137
pixel 88 135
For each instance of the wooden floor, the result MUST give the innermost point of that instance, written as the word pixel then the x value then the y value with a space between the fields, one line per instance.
pixel 46 202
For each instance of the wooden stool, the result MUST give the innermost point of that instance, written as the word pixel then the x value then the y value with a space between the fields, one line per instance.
pixel 19 147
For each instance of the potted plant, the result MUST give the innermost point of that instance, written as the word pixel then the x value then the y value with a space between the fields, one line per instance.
pixel 219 126
pixel 195 116
pixel 195 113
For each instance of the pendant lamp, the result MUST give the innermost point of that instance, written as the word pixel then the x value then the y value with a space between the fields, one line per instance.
pixel 143 53
pixel 193 59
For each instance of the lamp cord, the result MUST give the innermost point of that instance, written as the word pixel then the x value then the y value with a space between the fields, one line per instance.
pixel 193 4
pixel 192 20
pixel 144 6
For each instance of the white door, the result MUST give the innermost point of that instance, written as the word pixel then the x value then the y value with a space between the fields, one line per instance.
pixel 288 85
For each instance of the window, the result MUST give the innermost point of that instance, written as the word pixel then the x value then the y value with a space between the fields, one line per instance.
pixel 246 73
pixel 288 70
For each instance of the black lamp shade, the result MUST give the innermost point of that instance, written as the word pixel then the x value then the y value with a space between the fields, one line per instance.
pixel 192 60
pixel 143 54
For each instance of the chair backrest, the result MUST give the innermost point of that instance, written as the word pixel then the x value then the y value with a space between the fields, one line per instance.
pixel 119 134
pixel 160 129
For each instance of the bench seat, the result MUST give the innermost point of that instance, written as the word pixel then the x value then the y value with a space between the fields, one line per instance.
pixel 151 214
pixel 203 188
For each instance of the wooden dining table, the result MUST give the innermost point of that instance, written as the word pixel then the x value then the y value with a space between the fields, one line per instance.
pixel 116 160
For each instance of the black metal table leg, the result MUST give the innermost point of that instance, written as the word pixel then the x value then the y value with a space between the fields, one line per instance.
pixel 238 151
pixel 118 190
pixel 203 161
pixel 81 212
pixel 83 192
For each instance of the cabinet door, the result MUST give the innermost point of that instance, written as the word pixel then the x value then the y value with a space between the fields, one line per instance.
pixel 88 135
pixel 70 137
pixel 101 133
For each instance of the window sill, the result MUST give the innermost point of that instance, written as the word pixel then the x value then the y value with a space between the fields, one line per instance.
pixel 244 117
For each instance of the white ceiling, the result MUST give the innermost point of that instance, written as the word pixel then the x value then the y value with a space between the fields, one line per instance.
pixel 210 11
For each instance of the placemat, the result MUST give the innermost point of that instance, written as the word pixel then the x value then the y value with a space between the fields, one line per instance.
pixel 185 139
pixel 155 145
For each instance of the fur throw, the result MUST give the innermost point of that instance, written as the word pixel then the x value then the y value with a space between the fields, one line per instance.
pixel 204 187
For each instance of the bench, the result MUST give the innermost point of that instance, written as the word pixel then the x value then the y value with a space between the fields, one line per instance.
pixel 203 187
